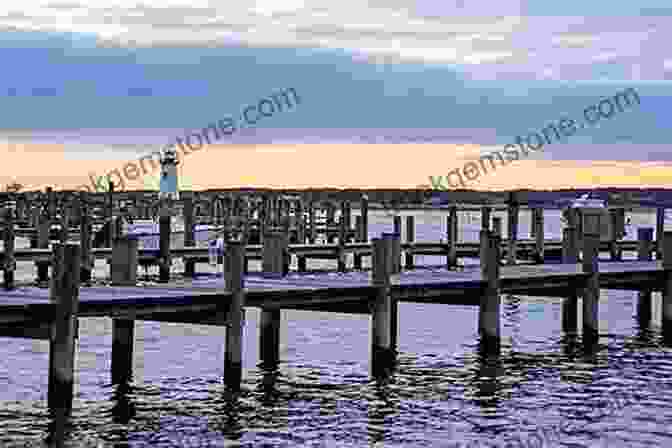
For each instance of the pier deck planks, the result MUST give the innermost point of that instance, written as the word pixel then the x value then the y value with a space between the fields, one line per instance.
pixel 347 292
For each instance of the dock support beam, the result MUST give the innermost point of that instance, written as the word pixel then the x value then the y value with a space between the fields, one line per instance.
pixel 64 292
pixel 488 317
pixel 382 352
pixel 644 253
pixel 233 367
pixel 591 293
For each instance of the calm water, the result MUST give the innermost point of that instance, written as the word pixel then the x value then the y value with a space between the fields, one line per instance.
pixel 544 391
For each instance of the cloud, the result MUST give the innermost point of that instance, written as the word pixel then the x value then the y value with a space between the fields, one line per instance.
pixel 479 36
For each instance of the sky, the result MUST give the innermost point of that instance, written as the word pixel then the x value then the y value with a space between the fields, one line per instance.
pixel 86 86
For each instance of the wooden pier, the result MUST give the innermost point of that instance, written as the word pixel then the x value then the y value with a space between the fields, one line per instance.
pixel 33 311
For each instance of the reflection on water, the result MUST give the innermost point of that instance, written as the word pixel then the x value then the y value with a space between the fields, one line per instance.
pixel 546 385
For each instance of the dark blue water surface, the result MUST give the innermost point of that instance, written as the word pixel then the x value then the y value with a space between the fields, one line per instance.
pixel 544 391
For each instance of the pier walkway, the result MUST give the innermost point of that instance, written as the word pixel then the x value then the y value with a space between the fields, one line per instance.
pixel 338 292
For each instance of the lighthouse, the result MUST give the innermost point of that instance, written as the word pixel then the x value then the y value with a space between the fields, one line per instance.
pixel 168 183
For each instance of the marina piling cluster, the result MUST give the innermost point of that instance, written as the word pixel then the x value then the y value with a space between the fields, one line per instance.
pixel 277 227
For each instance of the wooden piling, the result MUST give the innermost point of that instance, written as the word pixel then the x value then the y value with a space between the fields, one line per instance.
pixel 286 223
pixel 486 213
pixel 484 247
pixel 87 262
pixel 615 218
pixel 570 255
pixel 311 223
pixel 346 212
pixel 269 337
pixel 497 227
pixel 277 213
pixel 301 263
pixel 396 245
pixel 570 303
pixel 644 243
pixel 395 248
pixel 64 292
pixel 342 236
pixel 512 230
pixel 331 214
pixel 124 266
pixel 110 215
pixel 122 350
pixel 64 233
pixel 273 254
pixel 451 236
pixel 488 322
pixel 164 242
pixel 10 262
pixel 667 293
pixel 300 223
pixel 660 230
pixel 43 243
pixel 570 248
pixel 51 203
pixel 644 253
pixel 189 236
pixel 364 210
pixel 342 259
pixel 533 219
pixel 591 292
pixel 382 352
pixel 331 221
pixel 20 208
pixel 35 214
pixel 233 370
pixel 246 224
pixel 396 225
pixel 357 258
pixel 410 239
pixel 538 225
pixel 262 218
